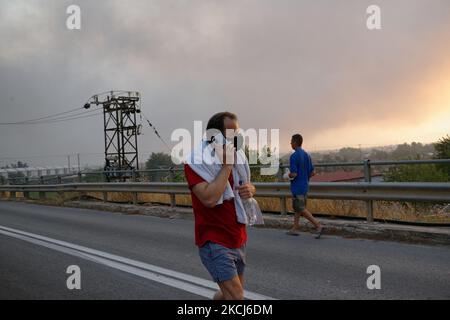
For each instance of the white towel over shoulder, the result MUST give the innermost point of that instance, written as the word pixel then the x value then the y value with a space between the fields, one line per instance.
pixel 206 164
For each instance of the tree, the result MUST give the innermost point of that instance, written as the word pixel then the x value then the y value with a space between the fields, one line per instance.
pixel 415 150
pixel 349 154
pixel 158 160
pixel 256 172
pixel 442 148
pixel 442 151
pixel 377 154
pixel 422 172
pixel 416 173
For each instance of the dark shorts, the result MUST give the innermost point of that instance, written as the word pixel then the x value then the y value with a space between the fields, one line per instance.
pixel 221 262
pixel 299 202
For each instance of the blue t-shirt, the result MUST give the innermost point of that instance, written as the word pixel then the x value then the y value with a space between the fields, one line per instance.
pixel 300 163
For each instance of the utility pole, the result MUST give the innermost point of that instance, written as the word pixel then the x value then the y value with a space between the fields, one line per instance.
pixel 68 161
pixel 78 157
pixel 120 130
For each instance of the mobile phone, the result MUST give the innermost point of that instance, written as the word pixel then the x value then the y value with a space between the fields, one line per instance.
pixel 238 141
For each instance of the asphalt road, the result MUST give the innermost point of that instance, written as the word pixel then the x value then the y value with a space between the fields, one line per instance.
pixel 142 257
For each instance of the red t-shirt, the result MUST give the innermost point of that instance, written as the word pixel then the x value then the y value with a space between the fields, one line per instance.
pixel 218 224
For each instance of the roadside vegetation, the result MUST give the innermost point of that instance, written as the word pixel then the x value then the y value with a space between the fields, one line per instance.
pixel 401 211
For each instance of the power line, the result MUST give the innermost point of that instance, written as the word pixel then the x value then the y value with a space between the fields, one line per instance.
pixel 60 119
pixel 84 154
pixel 65 117
pixel 57 116
pixel 75 113
pixel 52 156
pixel 71 117
pixel 156 132
pixel 41 118
pixel 80 117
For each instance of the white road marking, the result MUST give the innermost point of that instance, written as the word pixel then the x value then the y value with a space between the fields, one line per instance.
pixel 182 281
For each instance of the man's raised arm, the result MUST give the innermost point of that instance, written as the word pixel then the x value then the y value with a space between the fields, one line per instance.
pixel 209 193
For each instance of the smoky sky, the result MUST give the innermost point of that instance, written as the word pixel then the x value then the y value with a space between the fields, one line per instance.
pixel 298 66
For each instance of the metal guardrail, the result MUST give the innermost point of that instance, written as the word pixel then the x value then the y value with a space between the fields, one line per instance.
pixel 366 165
pixel 364 191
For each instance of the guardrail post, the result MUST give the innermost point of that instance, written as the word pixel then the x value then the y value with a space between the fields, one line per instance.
pixel 280 172
pixel 135 194
pixel 173 200
pixel 80 195
pixel 61 196
pixel 283 207
pixel 26 194
pixel 368 178
pixel 41 193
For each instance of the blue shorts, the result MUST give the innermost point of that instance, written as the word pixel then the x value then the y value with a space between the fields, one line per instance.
pixel 221 262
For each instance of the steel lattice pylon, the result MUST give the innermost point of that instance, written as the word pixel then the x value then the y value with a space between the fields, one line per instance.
pixel 121 131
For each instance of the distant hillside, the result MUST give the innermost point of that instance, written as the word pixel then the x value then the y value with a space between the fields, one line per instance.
pixel 405 151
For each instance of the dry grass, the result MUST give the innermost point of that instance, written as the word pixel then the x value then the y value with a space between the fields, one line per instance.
pixel 349 208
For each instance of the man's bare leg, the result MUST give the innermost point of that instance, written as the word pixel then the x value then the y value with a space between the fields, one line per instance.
pixel 296 227
pixel 241 279
pixel 219 295
pixel 305 213
pixel 231 289
pixel 316 223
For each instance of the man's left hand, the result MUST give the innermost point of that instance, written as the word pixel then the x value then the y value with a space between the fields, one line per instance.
pixel 247 191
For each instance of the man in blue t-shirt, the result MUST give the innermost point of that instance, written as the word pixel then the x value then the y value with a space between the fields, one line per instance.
pixel 301 170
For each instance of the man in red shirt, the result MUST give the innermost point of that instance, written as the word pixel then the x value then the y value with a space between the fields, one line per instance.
pixel 220 237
